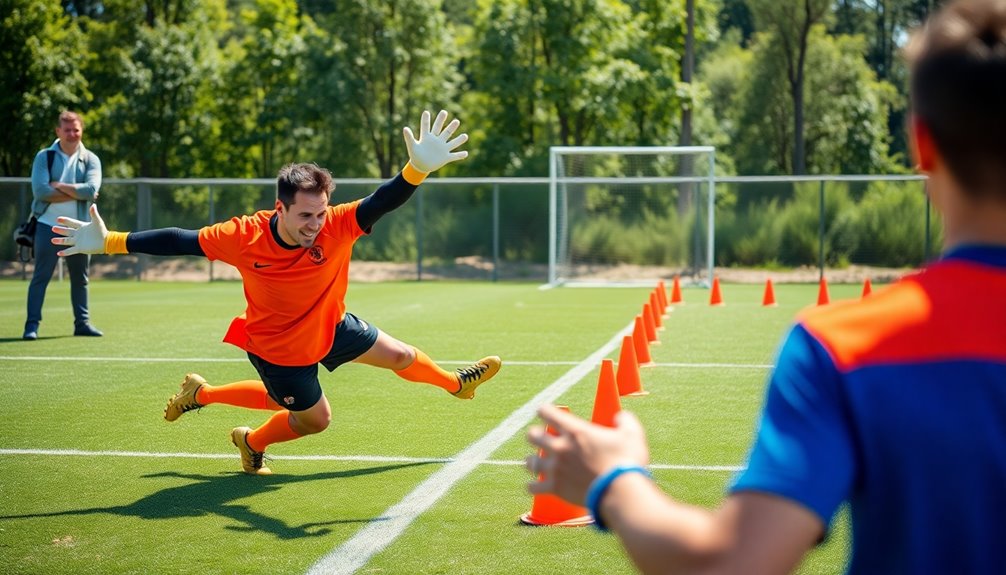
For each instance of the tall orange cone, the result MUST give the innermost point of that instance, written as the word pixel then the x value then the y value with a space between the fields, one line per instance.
pixel 867 287
pixel 651 330
pixel 639 341
pixel 662 297
pixel 606 403
pixel 655 308
pixel 627 374
pixel 548 509
pixel 822 292
pixel 769 298
pixel 676 291
pixel 716 298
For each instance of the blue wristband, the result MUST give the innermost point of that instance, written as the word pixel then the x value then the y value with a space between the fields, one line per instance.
pixel 600 485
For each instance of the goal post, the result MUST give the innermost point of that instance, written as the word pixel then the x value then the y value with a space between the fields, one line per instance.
pixel 628 216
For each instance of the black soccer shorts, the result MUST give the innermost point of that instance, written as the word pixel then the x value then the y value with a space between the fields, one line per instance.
pixel 297 387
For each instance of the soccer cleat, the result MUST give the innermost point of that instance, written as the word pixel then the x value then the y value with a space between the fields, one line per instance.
pixel 185 400
pixel 475 375
pixel 251 460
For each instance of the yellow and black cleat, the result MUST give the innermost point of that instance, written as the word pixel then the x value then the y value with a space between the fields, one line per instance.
pixel 251 460
pixel 184 400
pixel 469 378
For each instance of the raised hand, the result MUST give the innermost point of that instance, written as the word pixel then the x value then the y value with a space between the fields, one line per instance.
pixel 581 451
pixel 82 237
pixel 434 149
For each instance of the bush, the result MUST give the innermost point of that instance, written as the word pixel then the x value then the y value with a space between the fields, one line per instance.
pixel 888 228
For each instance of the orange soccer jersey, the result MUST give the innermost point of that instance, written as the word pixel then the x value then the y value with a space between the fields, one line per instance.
pixel 295 297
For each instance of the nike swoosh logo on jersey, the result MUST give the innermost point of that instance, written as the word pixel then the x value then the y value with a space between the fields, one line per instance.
pixel 258 265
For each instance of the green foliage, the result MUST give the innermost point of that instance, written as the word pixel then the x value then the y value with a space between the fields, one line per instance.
pixel 749 237
pixel 846 107
pixel 575 72
pixel 653 240
pixel 270 86
pixel 158 129
pixel 850 108
pixel 40 76
pixel 884 227
pixel 236 88
pixel 389 61
pixel 887 227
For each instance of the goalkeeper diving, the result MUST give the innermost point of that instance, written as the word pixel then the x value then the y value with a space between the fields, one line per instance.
pixel 294 262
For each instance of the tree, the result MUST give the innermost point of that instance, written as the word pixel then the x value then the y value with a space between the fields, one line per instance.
pixel 847 106
pixel 388 60
pixel 735 14
pixel 576 72
pixel 790 22
pixel 40 75
pixel 268 84
pixel 504 95
pixel 152 120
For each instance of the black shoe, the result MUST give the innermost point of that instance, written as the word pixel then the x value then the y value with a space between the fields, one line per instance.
pixel 87 330
pixel 30 334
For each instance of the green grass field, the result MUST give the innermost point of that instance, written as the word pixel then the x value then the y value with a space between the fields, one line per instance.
pixel 93 480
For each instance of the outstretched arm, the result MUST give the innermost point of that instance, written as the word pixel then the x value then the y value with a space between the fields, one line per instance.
pixel 749 533
pixel 94 238
pixel 431 151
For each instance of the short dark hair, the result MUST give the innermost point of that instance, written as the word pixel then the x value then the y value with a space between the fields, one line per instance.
pixel 68 116
pixel 958 90
pixel 308 178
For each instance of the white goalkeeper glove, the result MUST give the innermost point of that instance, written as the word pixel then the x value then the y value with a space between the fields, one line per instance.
pixel 433 150
pixel 82 237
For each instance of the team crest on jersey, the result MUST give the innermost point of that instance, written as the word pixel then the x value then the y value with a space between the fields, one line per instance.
pixel 316 255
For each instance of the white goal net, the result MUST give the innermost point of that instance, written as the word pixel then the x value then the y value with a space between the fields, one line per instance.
pixel 631 215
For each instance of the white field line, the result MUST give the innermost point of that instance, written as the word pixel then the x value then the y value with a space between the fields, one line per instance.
pixel 376 535
pixel 37 358
pixel 343 458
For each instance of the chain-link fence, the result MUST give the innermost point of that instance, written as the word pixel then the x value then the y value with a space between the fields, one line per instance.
pixel 796 228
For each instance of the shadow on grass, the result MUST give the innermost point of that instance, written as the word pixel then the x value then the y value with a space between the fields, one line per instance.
pixel 29 342
pixel 212 495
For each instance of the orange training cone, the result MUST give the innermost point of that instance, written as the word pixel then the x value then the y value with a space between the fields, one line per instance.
pixel 639 340
pixel 627 374
pixel 655 311
pixel 867 287
pixel 548 509
pixel 676 291
pixel 651 330
pixel 662 297
pixel 606 403
pixel 716 298
pixel 822 292
pixel 769 298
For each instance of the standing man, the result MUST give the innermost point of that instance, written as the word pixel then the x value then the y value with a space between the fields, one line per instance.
pixel 895 404
pixel 294 261
pixel 65 179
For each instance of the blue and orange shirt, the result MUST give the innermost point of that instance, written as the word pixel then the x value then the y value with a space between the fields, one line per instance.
pixel 295 297
pixel 896 404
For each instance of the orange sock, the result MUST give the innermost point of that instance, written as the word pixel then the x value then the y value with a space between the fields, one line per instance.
pixel 423 370
pixel 249 393
pixel 275 430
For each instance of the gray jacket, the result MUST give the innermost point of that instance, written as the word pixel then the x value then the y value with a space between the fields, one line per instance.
pixel 87 180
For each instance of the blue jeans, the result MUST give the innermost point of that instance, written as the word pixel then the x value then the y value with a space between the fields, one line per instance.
pixel 45 264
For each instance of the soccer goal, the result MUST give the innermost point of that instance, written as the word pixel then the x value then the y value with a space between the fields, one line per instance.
pixel 625 216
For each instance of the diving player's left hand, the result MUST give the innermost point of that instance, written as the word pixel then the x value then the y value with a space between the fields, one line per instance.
pixel 434 149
